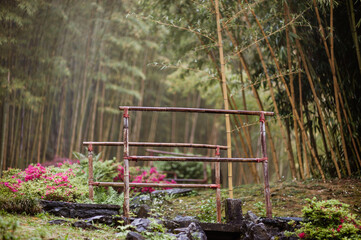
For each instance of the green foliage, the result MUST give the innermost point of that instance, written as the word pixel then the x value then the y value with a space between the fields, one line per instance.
pixel 103 171
pixel 207 211
pixel 190 170
pixel 261 210
pixel 107 195
pixel 329 219
pixel 7 229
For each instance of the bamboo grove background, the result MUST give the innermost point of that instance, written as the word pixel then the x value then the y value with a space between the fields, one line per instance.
pixel 65 66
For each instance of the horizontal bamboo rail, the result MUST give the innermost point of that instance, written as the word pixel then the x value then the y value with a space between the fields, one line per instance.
pixel 160 185
pixel 155 144
pixel 195 110
pixel 194 159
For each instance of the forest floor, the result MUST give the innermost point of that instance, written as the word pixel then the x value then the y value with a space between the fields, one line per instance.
pixel 288 199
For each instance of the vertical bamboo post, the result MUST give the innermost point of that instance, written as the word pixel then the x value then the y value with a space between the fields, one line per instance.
pixel 218 189
pixel 90 172
pixel 267 191
pixel 225 100
pixel 126 163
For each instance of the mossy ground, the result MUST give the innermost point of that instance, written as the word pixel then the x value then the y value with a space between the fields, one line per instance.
pixel 288 199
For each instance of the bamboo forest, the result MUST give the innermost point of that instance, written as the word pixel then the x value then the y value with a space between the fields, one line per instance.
pixel 258 101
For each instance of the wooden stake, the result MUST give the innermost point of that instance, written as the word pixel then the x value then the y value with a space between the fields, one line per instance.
pixel 90 172
pixel 126 164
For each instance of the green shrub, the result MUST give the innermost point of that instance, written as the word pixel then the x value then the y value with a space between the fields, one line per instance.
pixel 184 170
pixel 329 220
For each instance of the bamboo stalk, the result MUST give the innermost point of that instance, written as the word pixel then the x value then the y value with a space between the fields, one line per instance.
pixel 288 93
pixel 126 209
pixel 158 185
pixel 90 172
pixel 259 103
pixel 41 132
pixel 289 61
pixel 335 85
pixel 218 189
pixel 303 57
pixel 156 144
pixel 225 99
pixel 349 3
pixel 333 70
pixel 306 163
pixel 252 166
pixel 267 191
pixel 279 122
pixel 195 110
pixel 194 159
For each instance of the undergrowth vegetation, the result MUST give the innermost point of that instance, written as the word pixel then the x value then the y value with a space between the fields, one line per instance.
pixel 329 219
pixel 20 191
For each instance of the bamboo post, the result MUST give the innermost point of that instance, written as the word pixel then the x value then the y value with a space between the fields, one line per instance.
pixel 218 183
pixel 126 163
pixel 225 99
pixel 267 192
pixel 90 175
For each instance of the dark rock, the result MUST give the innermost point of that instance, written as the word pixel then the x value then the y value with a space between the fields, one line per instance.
pixel 171 225
pixel 134 236
pixel 58 222
pixel 193 232
pixel 259 232
pixel 137 201
pixel 185 219
pixel 250 216
pixel 141 224
pixel 79 210
pixel 182 236
pixel 173 191
pixel 144 211
pixel 180 230
pixel 196 232
pixel 84 225
pixel 108 220
pixel 234 210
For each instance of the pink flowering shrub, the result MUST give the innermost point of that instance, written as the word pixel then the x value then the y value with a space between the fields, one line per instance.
pixel 51 183
pixel 142 176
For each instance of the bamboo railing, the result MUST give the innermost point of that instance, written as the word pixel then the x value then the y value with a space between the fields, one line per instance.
pixel 217 159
